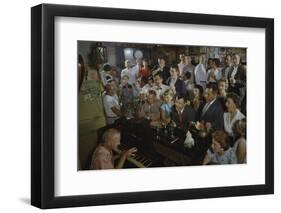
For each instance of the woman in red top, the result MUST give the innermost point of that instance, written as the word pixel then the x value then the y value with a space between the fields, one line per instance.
pixel 144 71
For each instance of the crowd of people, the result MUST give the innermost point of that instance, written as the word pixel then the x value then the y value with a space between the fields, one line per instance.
pixel 183 93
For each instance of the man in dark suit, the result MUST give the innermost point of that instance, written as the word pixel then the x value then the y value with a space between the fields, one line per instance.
pixel 176 84
pixel 212 111
pixel 162 69
pixel 181 114
pixel 237 78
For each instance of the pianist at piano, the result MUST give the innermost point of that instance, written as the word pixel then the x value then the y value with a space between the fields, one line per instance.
pixel 104 158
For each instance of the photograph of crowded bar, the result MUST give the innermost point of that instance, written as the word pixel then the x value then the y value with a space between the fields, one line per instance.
pixel 160 105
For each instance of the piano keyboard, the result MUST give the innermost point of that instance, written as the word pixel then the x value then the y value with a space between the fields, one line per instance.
pixel 138 160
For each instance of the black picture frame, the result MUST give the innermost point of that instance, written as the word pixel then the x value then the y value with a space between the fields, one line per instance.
pixel 43 102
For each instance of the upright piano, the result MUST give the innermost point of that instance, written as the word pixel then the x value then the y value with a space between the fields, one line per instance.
pixel 157 146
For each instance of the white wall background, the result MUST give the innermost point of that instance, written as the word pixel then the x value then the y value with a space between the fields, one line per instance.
pixel 15 105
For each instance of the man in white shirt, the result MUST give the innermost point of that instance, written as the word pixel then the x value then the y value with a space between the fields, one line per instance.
pixel 106 74
pixel 200 75
pixel 111 105
pixel 131 72
pixel 148 86
pixel 159 87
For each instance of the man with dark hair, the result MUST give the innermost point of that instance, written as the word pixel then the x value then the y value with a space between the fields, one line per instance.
pixel 151 108
pixel 212 111
pixel 162 69
pixel 177 85
pixel 182 114
pixel 103 155
pixel 159 87
pixel 106 74
pixel 111 104
pixel 227 67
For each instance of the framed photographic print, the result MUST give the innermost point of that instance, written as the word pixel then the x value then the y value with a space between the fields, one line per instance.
pixel 140 106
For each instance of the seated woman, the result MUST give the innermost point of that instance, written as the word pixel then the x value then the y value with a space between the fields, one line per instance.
pixel 233 114
pixel 220 152
pixel 239 147
pixel 166 107
pixel 182 114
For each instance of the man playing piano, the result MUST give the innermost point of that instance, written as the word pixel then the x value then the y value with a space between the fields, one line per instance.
pixel 103 156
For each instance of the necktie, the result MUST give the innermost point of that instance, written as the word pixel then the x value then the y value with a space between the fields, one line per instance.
pixel 205 108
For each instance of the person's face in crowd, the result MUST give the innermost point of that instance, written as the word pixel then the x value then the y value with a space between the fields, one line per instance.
pixel 125 80
pixel 187 59
pixel 196 92
pixel 213 65
pixel 236 60
pixel 216 147
pixel 174 73
pixel 162 62
pixel 167 98
pixel 110 89
pixel 158 80
pixel 145 63
pixel 228 60
pixel 222 86
pixel 127 64
pixel 209 95
pixel 230 105
pixel 182 58
pixel 151 82
pixel 151 98
pixel 114 141
pixel 210 62
pixel 179 103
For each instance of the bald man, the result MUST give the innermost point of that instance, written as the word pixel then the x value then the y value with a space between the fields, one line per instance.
pixel 103 157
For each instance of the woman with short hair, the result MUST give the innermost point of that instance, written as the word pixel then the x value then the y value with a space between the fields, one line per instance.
pixel 233 113
pixel 220 151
